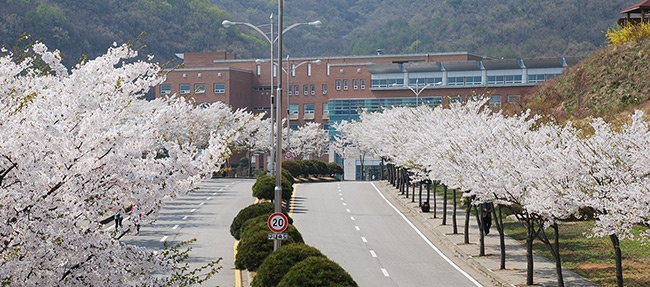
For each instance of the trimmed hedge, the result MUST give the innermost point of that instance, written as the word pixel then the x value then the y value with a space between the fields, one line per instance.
pixel 254 245
pixel 252 211
pixel 278 263
pixel 264 187
pixel 334 168
pixel 317 272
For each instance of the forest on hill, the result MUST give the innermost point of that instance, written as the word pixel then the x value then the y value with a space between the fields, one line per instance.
pixel 496 28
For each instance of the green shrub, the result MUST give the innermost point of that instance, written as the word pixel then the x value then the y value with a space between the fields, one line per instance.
pixel 264 188
pixel 252 211
pixel 278 263
pixel 254 245
pixel 310 168
pixel 288 176
pixel 317 272
pixel 334 168
pixel 292 166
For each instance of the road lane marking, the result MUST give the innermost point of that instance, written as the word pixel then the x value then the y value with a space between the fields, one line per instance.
pixel 383 270
pixel 357 228
pixel 364 239
pixel 175 226
pixel 476 283
pixel 193 210
pixel 202 203
pixel 184 217
pixel 342 198
pixel 373 254
pixel 209 197
pixel 214 193
pixel 348 210
pixel 164 238
pixel 352 217
pixel 344 204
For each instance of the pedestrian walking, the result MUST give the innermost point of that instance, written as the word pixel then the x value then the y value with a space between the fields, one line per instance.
pixel 118 220
pixel 136 216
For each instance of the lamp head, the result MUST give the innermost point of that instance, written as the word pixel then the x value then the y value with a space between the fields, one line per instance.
pixel 317 62
pixel 227 23
pixel 316 23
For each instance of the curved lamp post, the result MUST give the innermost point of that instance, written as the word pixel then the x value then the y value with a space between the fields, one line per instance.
pixel 417 91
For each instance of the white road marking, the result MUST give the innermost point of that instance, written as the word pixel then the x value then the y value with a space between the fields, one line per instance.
pixel 344 204
pixel 175 226
pixel 208 198
pixel 214 193
pixel 184 217
pixel 202 203
pixel 373 254
pixel 352 217
pixel 357 228
pixel 348 210
pixel 341 198
pixel 364 239
pixel 164 238
pixel 383 270
pixel 427 240
pixel 193 210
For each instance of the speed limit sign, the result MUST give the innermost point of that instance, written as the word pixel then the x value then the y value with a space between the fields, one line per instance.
pixel 278 222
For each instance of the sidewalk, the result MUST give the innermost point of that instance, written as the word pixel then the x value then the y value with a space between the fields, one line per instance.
pixel 515 273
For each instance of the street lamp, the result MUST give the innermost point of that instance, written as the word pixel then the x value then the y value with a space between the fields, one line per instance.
pixel 272 39
pixel 417 91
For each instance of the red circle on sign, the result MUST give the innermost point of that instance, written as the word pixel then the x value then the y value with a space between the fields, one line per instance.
pixel 278 222
pixel 288 154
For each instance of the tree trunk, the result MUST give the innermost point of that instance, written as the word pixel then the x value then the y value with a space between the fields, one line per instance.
pixel 498 222
pixel 467 213
pixel 530 236
pixel 435 202
pixel 420 195
pixel 444 204
pixel 481 237
pixel 619 259
pixel 453 215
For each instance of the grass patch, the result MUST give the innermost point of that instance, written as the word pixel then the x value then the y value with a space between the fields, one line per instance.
pixel 592 258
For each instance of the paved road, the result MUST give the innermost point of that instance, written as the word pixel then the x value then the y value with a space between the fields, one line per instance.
pixel 204 214
pixel 354 225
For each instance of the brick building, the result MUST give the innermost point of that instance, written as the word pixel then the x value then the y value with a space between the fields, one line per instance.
pixel 337 87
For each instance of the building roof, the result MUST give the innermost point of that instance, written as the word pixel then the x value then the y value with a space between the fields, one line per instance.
pixel 638 7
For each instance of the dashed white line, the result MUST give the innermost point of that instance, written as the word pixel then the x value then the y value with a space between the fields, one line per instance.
pixel 341 198
pixel 357 228
pixel 348 210
pixel 202 203
pixel 364 239
pixel 193 210
pixel 352 218
pixel 164 238
pixel 344 204
pixel 383 270
pixel 214 193
pixel 175 226
pixel 373 254
pixel 209 197
pixel 184 217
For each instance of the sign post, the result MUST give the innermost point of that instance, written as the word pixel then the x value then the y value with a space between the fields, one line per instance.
pixel 278 223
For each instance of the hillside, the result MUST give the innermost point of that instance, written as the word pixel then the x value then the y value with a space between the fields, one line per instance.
pixel 611 83
pixel 497 28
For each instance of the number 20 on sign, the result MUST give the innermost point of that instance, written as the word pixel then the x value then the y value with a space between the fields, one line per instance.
pixel 278 222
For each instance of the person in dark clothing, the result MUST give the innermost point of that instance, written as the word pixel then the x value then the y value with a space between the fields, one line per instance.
pixel 486 216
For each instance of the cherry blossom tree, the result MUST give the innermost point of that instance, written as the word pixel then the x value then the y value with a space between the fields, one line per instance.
pixel 309 139
pixel 77 145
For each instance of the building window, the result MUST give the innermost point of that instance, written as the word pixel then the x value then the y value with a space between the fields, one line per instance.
pixel 345 85
pixel 326 111
pixel 513 79
pixel 338 85
pixel 219 88
pixel 355 84
pixel 296 90
pixel 305 89
pixel 455 81
pixel 473 81
pixel 165 89
pixel 185 88
pixel 290 91
pixel 534 79
pixel 309 111
pixel 456 99
pixel 495 102
pixel 293 112
pixel 496 80
pixel 514 98
pixel 313 89
pixel 199 88
pixel 363 84
pixel 324 89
